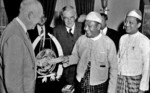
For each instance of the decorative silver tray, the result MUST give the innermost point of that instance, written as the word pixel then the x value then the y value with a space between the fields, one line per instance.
pixel 44 65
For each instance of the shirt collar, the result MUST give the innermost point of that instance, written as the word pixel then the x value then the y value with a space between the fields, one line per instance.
pixel 22 24
pixel 72 31
pixel 134 35
pixel 104 31
pixel 40 28
pixel 97 37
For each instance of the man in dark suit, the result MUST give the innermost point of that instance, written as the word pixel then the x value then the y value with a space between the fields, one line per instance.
pixel 67 34
pixel 40 30
pixel 45 42
pixel 111 33
pixel 18 59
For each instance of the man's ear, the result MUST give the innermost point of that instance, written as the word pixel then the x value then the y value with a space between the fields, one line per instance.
pixel 139 25
pixel 99 26
pixel 75 16
pixel 30 16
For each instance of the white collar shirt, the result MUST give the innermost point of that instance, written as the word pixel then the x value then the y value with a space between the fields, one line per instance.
pixel 73 28
pixel 97 37
pixel 104 31
pixel 40 28
pixel 22 24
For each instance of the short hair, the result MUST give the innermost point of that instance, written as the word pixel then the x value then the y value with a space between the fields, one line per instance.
pixel 104 15
pixel 29 5
pixel 65 8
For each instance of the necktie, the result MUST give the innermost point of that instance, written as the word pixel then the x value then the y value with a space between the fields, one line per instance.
pixel 42 31
pixel 70 32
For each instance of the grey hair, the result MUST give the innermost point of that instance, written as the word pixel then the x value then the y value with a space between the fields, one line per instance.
pixel 66 8
pixel 29 6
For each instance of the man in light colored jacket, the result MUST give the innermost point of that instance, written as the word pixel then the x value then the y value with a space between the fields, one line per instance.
pixel 18 59
pixel 95 56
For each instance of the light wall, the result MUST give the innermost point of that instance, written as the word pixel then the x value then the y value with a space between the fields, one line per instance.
pixel 116 13
pixel 62 3
pixel 117 10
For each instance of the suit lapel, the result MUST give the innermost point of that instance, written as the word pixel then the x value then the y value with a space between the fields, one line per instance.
pixel 27 42
pixel 108 32
pixel 75 35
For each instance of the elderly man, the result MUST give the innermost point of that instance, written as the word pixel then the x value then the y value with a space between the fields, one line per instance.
pixel 95 56
pixel 67 34
pixel 18 59
pixel 133 57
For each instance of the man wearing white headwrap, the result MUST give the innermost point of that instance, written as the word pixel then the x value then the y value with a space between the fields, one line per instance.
pixel 95 55
pixel 133 57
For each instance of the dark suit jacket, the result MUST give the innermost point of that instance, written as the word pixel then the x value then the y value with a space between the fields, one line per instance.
pixel 67 43
pixel 18 60
pixel 33 34
pixel 113 34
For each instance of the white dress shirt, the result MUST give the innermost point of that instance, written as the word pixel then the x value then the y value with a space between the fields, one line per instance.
pixel 72 29
pixel 134 57
pixel 22 24
pixel 40 28
pixel 104 31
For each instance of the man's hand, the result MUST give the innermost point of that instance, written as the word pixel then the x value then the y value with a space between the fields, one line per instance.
pixel 57 60
pixel 65 61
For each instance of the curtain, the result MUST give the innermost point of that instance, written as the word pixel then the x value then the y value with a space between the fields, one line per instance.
pixel 12 8
pixel 49 9
pixel 84 6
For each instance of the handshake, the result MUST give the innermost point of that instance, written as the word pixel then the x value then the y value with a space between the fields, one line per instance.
pixel 61 59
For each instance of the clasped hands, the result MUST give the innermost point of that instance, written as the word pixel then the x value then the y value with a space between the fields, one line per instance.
pixel 61 59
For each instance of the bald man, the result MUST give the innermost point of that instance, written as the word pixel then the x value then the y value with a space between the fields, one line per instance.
pixel 18 59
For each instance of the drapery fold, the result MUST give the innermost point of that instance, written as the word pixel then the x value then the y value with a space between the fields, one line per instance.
pixel 49 9
pixel 12 8
pixel 84 6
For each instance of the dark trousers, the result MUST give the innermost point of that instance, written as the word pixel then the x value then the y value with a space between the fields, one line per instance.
pixel 77 87
pixel 149 89
pixel 49 86
pixel 69 74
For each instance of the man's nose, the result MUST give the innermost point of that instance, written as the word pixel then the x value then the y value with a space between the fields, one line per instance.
pixel 126 24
